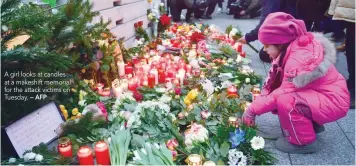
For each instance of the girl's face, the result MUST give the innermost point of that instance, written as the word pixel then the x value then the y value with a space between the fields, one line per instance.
pixel 272 50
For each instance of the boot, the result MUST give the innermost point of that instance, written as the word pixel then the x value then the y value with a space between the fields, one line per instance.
pixel 318 128
pixel 283 145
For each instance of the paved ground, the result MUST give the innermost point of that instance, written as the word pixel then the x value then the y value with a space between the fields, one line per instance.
pixel 339 137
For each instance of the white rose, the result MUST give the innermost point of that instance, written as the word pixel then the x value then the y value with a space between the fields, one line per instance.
pixel 126 115
pixel 29 156
pixel 189 142
pixel 82 103
pixel 247 80
pixel 39 158
pixel 12 160
pixel 162 4
pixel 54 11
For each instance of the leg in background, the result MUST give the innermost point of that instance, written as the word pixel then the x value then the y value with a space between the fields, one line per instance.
pixel 350 56
pixel 211 8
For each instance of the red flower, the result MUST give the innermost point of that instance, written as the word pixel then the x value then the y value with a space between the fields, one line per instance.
pixel 196 37
pixel 178 91
pixel 140 23
pixel 138 96
pixel 165 20
pixel 136 25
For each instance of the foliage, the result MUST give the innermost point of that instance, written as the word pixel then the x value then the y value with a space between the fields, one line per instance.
pixel 119 144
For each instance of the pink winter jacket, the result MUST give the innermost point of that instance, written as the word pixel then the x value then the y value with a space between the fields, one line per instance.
pixel 309 75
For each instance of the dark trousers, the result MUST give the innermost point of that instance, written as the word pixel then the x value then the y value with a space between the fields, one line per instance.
pixel 229 2
pixel 350 56
pixel 220 3
pixel 176 11
pixel 211 7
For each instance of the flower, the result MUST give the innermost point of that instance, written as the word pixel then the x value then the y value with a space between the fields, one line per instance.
pixel 241 164
pixel 181 115
pixel 92 108
pixel 162 4
pixel 257 143
pixel 196 37
pixel 138 96
pixel 178 91
pixel 82 103
pixel 54 11
pixel 236 137
pixel 197 133
pixel 101 106
pixel 39 158
pixel 174 154
pixel 165 20
pixel 247 80
pixel 75 111
pixel 171 144
pixel 205 114
pixel 12 160
pixel 126 115
pixel 29 156
pixel 209 163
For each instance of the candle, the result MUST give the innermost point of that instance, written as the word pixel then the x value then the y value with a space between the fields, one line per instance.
pixel 124 85
pixel 239 47
pixel 117 91
pixel 65 147
pixel 99 87
pixel 102 153
pixel 196 72
pixel 233 121
pixel 188 68
pixel 132 85
pixel 135 60
pixel 121 68
pixel 161 76
pixel 155 73
pixel 169 84
pixel 232 90
pixel 176 82
pixel 105 92
pixel 128 69
pixel 170 73
pixel 85 156
pixel 181 76
pixel 151 80
pixel 194 160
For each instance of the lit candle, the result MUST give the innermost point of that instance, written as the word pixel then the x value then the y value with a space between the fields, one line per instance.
pixel 128 69
pixel 105 92
pixel 232 90
pixel 170 73
pixel 233 121
pixel 121 68
pixel 65 147
pixel 188 68
pixel 99 87
pixel 194 160
pixel 102 153
pixel 117 91
pixel 239 47
pixel 161 76
pixel 155 73
pixel 132 85
pixel 151 80
pixel 85 156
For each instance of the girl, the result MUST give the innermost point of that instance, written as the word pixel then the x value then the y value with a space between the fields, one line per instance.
pixel 303 86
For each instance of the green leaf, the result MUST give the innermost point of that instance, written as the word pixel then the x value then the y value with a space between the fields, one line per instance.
pixel 250 133
pixel 191 117
pixel 105 68
pixel 138 140
pixel 211 123
pixel 224 149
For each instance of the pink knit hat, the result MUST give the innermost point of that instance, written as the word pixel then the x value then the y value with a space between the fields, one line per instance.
pixel 280 28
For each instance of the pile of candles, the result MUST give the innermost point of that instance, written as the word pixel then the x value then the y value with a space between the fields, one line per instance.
pixel 85 154
pixel 150 71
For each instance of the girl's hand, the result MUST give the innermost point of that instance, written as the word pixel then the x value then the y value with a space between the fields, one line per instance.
pixel 248 117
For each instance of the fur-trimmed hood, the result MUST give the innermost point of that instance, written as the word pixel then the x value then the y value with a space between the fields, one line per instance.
pixel 311 60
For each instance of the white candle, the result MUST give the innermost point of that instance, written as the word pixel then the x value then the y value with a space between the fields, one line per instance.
pixel 117 91
pixel 181 76
pixel 121 68
pixel 155 72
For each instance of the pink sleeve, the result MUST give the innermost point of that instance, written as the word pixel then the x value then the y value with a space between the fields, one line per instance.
pixel 263 104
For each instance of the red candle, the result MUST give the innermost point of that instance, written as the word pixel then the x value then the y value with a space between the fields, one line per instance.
pixel 128 69
pixel 239 47
pixel 161 76
pixel 132 85
pixel 232 90
pixel 105 92
pixel 151 80
pixel 102 153
pixel 188 68
pixel 85 156
pixel 243 54
pixel 65 147
pixel 135 60
pixel 182 66
pixel 171 73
